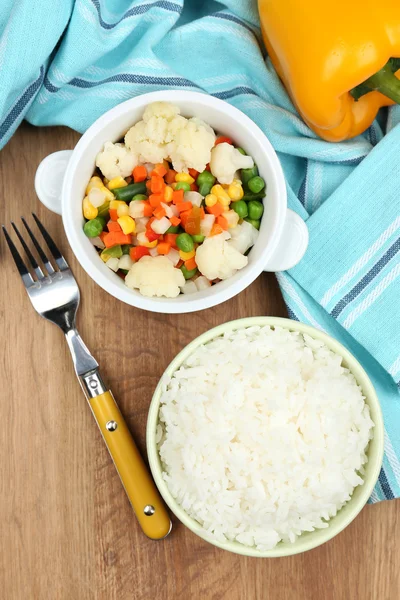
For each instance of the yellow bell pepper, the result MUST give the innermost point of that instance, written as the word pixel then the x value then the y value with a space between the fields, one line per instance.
pixel 335 59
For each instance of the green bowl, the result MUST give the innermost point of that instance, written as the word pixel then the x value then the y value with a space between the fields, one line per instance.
pixel 308 540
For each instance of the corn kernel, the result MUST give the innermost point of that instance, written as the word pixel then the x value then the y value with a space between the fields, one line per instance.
pixel 127 224
pixel 95 182
pixel 219 191
pixel 225 201
pixel 187 255
pixel 116 182
pixel 184 177
pixel 211 200
pixel 168 193
pixel 115 203
pixel 235 191
pixel 109 195
pixel 89 211
pixel 122 210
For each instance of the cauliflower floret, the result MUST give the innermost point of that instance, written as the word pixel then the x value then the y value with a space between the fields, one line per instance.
pixel 244 236
pixel 216 259
pixel 116 161
pixel 155 276
pixel 226 160
pixel 164 133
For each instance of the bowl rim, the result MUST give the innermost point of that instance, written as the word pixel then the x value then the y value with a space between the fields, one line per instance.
pixel 374 463
pixel 170 305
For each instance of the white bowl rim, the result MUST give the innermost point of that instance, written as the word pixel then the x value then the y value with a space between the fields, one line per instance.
pixel 171 306
pixel 301 544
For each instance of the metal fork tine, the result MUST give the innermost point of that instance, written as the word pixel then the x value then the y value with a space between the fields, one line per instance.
pixel 58 257
pixel 23 271
pixel 35 266
pixel 43 257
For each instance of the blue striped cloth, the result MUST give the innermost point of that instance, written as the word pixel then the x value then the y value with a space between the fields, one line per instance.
pixel 67 62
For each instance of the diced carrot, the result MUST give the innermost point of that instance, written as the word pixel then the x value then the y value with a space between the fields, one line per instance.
pixel 223 140
pixel 113 214
pixel 147 209
pixel 170 176
pixel 177 196
pixel 175 221
pixel 163 247
pixel 148 185
pixel 139 174
pixel 215 210
pixel 137 252
pixel 183 206
pixel 223 222
pixel 116 237
pixel 208 167
pixel 159 170
pixel 202 212
pixel 159 212
pixel 113 226
pixel 155 200
pixel 191 264
pixel 149 222
pixel 152 235
pixel 192 225
pixel 193 173
pixel 157 184
pixel 102 235
pixel 184 217
pixel 216 229
pixel 170 238
pixel 194 187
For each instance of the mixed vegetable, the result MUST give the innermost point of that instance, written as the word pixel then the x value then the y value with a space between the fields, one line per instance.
pixel 166 231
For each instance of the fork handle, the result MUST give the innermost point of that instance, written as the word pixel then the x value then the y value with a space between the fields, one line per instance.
pixel 140 488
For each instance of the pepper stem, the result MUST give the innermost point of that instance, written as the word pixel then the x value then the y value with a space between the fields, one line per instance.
pixel 384 81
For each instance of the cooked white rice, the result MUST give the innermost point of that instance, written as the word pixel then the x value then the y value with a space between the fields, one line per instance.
pixel 262 435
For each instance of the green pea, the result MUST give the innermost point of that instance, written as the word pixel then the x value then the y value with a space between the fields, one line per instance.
pixel 205 177
pixel 254 222
pixel 198 239
pixel 188 274
pixel 256 209
pixel 240 207
pixel 242 151
pixel 94 227
pixel 140 197
pixel 184 242
pixel 103 210
pixel 126 248
pixel 256 184
pixel 247 174
pixel 183 185
pixel 205 188
pixel 173 229
pixel 113 252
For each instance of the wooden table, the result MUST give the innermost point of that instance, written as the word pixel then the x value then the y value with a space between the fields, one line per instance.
pixel 67 529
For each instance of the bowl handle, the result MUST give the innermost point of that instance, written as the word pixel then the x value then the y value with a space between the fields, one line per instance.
pixel 292 245
pixel 49 179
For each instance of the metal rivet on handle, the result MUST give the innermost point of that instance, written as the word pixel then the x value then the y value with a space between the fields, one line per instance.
pixel 111 425
pixel 149 510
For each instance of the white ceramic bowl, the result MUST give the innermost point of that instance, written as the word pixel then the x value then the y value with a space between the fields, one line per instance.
pixel 283 235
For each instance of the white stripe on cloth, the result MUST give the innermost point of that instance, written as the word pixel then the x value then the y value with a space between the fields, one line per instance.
pixel 290 291
pixel 392 458
pixel 395 367
pixel 372 296
pixel 357 266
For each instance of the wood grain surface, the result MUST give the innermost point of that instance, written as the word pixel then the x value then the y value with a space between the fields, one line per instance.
pixel 67 529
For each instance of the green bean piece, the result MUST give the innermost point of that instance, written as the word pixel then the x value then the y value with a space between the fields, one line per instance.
pixel 113 252
pixel 205 188
pixel 248 196
pixel 126 193
pixel 173 229
pixel 126 248
pixel 188 274
pixel 185 242
pixel 242 151
pixel 256 184
pixel 103 210
pixel 247 174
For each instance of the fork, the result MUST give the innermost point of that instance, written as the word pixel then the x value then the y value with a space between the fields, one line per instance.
pixel 54 294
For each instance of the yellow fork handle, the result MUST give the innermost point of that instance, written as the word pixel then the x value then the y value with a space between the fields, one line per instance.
pixel 139 486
